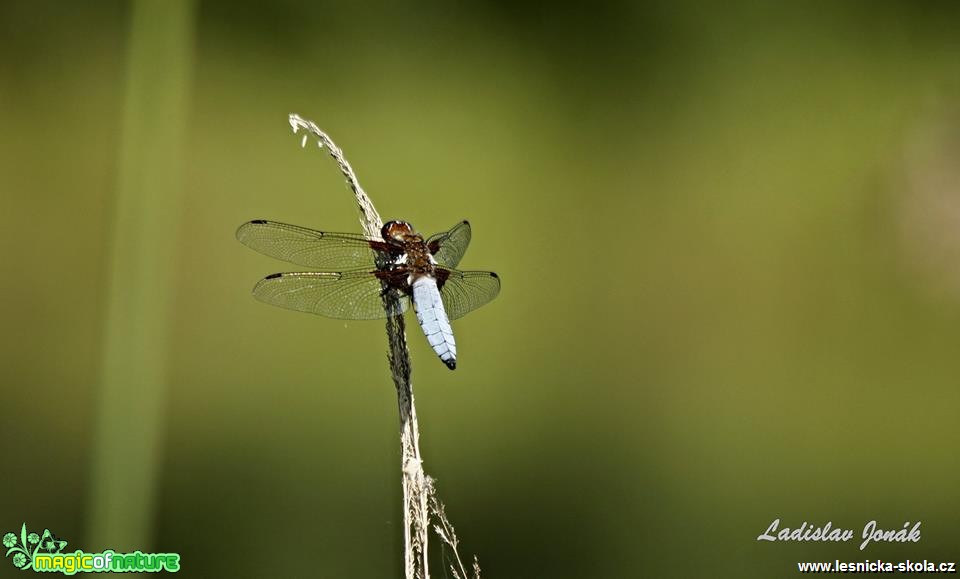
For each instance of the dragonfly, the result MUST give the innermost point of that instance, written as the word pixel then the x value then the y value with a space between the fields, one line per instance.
pixel 365 278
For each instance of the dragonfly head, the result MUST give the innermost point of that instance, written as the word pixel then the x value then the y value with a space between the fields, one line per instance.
pixel 399 231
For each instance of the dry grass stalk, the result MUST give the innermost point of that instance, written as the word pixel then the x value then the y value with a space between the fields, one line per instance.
pixel 448 535
pixel 417 486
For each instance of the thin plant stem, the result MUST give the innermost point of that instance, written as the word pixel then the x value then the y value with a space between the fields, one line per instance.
pixel 131 397
pixel 419 492
pixel 448 535
pixel 416 513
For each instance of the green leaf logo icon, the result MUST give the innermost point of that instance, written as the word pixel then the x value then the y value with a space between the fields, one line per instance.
pixel 9 540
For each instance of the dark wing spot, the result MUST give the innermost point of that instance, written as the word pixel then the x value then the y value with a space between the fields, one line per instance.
pixel 274 276
pixel 494 275
pixel 259 221
pixel 385 247
pixel 442 276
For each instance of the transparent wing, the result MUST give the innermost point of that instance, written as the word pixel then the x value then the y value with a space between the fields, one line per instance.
pixel 464 291
pixel 350 295
pixel 448 247
pixel 310 248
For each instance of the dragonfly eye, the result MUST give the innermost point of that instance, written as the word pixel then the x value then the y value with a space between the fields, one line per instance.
pixel 397 230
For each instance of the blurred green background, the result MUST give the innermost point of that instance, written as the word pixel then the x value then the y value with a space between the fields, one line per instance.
pixel 729 239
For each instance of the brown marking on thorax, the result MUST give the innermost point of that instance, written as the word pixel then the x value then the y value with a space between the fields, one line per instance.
pixel 418 258
pixel 401 235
